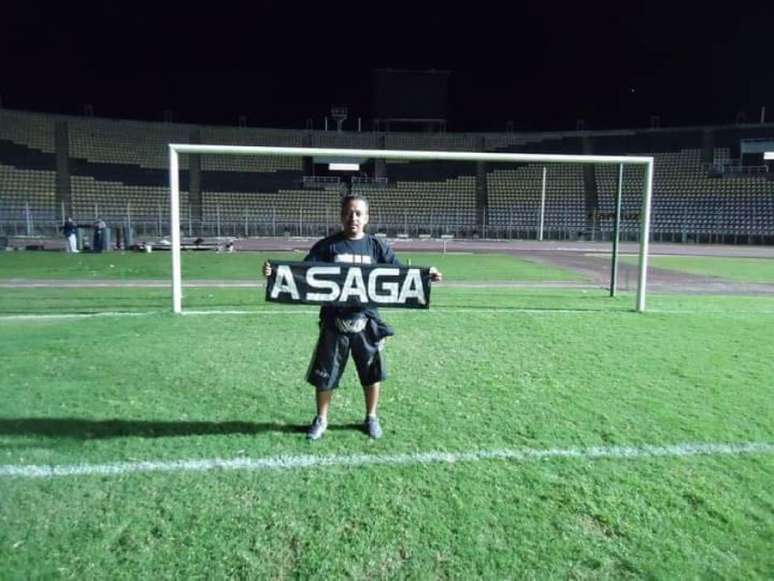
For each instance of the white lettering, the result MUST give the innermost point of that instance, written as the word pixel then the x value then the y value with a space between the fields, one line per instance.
pixel 390 287
pixel 352 258
pixel 330 285
pixel 412 287
pixel 354 285
pixel 378 289
pixel 284 283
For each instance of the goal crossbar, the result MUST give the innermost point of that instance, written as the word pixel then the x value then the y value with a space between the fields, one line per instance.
pixel 175 149
pixel 405 154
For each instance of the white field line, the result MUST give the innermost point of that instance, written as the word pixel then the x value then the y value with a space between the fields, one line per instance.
pixel 119 284
pixel 632 254
pixel 420 312
pixel 295 311
pixel 434 310
pixel 267 312
pixel 193 313
pixel 357 460
pixel 44 316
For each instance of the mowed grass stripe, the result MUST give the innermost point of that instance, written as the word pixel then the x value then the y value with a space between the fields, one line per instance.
pixel 243 266
pixel 158 301
pixel 357 460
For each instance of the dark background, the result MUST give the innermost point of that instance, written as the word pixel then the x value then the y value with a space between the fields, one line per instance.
pixel 542 65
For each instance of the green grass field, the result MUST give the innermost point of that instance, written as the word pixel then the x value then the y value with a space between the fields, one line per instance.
pixel 736 269
pixel 203 266
pixel 483 370
pixel 247 266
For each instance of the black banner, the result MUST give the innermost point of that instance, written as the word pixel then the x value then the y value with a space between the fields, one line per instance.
pixel 341 284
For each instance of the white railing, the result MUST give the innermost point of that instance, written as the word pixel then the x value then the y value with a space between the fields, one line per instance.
pixel 324 181
pixel 734 167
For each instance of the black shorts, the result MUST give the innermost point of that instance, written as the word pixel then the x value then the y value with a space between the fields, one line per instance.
pixel 332 351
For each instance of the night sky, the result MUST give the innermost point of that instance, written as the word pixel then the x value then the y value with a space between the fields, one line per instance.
pixel 542 65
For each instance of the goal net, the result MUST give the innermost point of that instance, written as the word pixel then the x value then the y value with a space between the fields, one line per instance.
pixel 431 198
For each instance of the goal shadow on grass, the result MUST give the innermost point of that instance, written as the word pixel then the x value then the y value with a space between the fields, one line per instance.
pixel 86 429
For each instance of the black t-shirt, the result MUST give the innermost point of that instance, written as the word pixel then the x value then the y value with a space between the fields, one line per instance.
pixel 338 248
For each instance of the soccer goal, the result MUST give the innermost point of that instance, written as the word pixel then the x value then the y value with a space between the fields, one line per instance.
pixel 485 221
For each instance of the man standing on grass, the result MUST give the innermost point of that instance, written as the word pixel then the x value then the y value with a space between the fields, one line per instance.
pixel 344 329
pixel 71 235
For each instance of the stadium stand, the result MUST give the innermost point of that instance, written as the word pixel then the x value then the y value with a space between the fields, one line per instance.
pixel 133 143
pixel 30 130
pixel 247 136
pixel 289 212
pixel 419 142
pixel 116 200
pixel 430 207
pixel 514 201
pixel 343 140
pixel 52 165
pixel 688 204
pixel 27 197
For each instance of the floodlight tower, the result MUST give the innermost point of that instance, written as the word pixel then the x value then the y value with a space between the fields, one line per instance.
pixel 339 114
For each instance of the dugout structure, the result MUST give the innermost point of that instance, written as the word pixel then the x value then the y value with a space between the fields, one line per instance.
pixel 176 149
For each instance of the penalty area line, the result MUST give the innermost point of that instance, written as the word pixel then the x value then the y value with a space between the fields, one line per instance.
pixel 292 311
pixel 45 316
pixel 440 310
pixel 274 463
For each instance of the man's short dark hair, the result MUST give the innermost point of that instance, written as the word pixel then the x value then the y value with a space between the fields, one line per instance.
pixel 352 198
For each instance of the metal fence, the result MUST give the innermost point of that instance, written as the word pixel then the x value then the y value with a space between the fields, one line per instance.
pixel 29 221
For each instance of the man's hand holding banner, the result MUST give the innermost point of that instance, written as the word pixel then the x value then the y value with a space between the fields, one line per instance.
pixel 341 284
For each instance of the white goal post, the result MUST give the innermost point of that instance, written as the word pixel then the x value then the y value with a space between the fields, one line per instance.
pixel 175 149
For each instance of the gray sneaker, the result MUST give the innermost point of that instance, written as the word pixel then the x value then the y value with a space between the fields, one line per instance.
pixel 317 428
pixel 372 428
